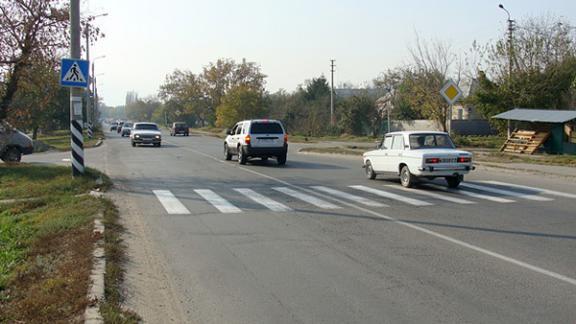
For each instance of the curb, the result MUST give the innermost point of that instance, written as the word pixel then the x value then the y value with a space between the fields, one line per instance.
pixel 100 141
pixel 96 291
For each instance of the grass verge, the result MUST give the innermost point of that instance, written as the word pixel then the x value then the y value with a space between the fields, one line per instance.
pixel 46 246
pixel 60 140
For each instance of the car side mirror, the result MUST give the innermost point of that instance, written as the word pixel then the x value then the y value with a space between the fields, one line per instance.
pixel 406 146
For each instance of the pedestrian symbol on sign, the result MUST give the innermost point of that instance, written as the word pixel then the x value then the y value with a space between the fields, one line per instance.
pixel 74 74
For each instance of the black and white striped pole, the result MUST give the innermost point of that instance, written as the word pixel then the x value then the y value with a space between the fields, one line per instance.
pixel 77 139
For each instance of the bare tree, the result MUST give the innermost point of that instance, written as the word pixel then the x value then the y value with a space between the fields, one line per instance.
pixel 432 65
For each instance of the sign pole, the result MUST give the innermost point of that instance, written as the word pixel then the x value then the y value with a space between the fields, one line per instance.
pixel 77 139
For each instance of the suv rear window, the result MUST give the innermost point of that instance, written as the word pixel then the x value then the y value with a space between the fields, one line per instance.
pixel 266 128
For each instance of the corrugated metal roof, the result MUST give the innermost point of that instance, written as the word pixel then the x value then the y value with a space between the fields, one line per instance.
pixel 538 115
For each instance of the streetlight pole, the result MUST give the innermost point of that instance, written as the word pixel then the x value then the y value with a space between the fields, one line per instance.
pixel 95 105
pixel 89 107
pixel 510 40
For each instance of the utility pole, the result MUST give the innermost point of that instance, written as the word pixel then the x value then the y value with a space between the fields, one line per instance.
pixel 332 117
pixel 77 140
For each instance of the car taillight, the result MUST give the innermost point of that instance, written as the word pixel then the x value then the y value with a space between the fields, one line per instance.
pixel 285 138
pixel 247 139
pixel 432 160
pixel 464 159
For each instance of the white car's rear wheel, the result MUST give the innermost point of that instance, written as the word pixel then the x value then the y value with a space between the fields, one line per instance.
pixel 406 178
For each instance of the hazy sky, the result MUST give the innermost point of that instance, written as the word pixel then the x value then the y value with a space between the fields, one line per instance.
pixel 291 40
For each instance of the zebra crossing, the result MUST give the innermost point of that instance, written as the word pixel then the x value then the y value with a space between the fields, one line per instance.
pixel 377 196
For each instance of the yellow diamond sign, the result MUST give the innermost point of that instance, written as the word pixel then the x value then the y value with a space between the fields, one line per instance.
pixel 451 92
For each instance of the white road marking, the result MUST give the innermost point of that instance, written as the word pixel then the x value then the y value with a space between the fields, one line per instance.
pixel 263 200
pixel 172 205
pixel 506 192
pixel 390 195
pixel 433 195
pixel 66 160
pixel 472 194
pixel 215 200
pixel 460 243
pixel 345 195
pixel 307 198
pixel 540 190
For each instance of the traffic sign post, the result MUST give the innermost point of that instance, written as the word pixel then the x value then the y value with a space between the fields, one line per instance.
pixel 451 93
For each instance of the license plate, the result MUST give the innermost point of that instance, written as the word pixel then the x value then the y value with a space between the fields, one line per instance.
pixel 449 160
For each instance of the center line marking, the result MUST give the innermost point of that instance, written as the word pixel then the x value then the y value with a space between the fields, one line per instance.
pixel 458 242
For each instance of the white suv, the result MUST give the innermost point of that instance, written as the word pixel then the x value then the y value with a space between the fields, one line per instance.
pixel 262 138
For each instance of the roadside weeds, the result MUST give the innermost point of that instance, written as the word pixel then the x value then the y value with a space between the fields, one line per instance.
pixel 47 241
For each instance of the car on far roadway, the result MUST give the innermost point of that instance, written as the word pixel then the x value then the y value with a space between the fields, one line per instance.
pixel 179 128
pixel 418 154
pixel 126 128
pixel 13 144
pixel 145 133
pixel 119 128
pixel 113 126
pixel 260 138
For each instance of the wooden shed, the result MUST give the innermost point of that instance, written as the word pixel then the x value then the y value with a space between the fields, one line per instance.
pixel 530 129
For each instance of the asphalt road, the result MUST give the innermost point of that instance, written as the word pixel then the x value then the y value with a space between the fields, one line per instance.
pixel 211 241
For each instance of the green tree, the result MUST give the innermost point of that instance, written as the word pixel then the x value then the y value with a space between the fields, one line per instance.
pixel 359 116
pixel 38 100
pixel 543 69
pixel 242 102
pixel 28 29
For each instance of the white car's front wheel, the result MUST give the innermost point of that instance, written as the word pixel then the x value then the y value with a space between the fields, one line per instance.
pixel 369 171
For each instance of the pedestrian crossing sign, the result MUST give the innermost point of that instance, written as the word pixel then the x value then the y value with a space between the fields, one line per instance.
pixel 74 73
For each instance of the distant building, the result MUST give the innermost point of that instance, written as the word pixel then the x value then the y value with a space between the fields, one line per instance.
pixel 131 97
pixel 467 112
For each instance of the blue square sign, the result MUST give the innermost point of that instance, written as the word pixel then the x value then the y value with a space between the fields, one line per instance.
pixel 74 73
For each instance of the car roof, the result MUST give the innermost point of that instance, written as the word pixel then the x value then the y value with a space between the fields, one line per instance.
pixel 145 123
pixel 260 121
pixel 416 132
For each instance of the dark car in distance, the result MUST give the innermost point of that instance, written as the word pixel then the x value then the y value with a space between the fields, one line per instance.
pixel 179 128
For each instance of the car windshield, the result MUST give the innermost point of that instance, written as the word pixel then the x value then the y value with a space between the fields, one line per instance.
pixel 430 141
pixel 146 126
pixel 266 128
pixel 128 125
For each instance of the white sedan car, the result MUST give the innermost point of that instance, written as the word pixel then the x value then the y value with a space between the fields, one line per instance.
pixel 418 154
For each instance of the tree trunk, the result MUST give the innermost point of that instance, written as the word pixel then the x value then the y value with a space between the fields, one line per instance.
pixel 35 133
pixel 11 89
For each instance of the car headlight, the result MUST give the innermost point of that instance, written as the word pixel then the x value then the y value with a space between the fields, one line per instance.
pixel 137 136
pixel 158 136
